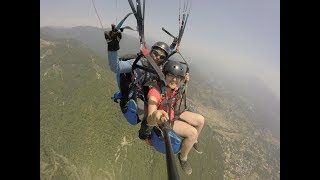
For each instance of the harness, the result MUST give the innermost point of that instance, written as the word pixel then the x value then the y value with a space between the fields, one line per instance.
pixel 143 78
pixel 169 103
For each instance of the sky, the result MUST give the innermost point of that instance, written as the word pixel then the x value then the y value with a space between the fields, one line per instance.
pixel 241 36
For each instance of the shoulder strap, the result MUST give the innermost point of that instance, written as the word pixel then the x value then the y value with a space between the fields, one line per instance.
pixel 143 61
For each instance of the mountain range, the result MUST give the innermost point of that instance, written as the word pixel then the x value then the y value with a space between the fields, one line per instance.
pixel 83 134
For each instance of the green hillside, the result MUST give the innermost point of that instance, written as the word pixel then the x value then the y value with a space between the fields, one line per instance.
pixel 83 135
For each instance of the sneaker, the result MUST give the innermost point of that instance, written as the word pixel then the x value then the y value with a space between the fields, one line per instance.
pixel 145 130
pixel 148 141
pixel 186 167
pixel 196 147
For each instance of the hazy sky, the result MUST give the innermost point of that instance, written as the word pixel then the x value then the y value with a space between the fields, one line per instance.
pixel 243 36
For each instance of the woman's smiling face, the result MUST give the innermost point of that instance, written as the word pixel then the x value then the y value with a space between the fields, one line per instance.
pixel 173 80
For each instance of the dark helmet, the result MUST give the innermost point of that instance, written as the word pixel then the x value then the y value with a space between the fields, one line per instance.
pixel 162 46
pixel 174 67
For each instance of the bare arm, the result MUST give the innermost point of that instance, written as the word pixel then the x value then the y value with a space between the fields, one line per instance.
pixel 154 115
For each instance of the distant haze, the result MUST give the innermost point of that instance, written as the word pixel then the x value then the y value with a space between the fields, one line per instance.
pixel 234 36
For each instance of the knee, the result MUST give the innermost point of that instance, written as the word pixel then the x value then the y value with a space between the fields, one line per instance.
pixel 200 119
pixel 193 133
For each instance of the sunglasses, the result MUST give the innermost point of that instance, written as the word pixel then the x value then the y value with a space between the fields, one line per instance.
pixel 157 53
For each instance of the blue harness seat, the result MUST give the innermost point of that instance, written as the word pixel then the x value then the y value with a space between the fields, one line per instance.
pixel 158 142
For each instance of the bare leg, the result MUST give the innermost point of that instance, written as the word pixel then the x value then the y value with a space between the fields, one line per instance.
pixel 190 135
pixel 194 119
